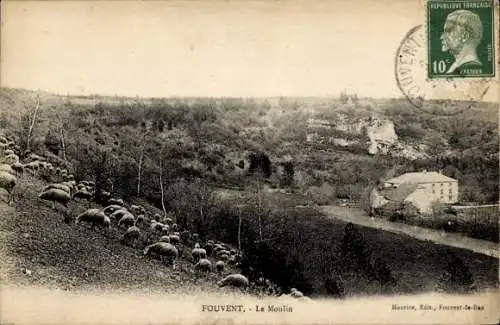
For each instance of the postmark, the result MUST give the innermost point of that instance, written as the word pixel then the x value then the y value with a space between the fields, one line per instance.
pixel 460 36
pixel 440 96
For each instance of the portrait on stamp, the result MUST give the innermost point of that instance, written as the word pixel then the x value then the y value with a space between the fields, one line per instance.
pixel 462 33
pixel 460 39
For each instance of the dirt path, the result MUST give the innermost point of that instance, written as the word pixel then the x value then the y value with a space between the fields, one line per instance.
pixel 359 217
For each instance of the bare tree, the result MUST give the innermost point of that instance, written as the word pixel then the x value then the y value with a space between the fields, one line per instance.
pixel 140 162
pixel 32 114
pixel 161 188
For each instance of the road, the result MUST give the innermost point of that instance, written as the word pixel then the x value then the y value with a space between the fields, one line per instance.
pixel 359 217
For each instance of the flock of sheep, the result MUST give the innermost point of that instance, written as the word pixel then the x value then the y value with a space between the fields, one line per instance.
pixel 134 221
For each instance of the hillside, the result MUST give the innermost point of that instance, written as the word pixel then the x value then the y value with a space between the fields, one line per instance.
pixel 190 148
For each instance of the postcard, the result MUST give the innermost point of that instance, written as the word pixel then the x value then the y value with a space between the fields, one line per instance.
pixel 249 162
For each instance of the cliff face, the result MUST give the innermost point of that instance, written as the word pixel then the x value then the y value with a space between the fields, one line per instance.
pixel 382 135
pixel 378 135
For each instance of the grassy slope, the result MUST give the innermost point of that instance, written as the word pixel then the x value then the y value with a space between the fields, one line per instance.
pixel 66 255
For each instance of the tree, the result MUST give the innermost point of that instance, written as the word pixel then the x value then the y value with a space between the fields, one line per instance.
pixel 28 122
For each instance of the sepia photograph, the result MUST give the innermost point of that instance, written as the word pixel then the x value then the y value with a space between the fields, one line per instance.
pixel 249 162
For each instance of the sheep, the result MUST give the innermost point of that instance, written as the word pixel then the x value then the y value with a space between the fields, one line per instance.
pixel 209 247
pixel 83 194
pixel 11 159
pixel 165 229
pixel 174 227
pixel 168 220
pixel 95 217
pixel 118 214
pixel 127 220
pixel 175 239
pixel 7 181
pixel 164 250
pixel 18 167
pixel 135 209
pixel 296 293
pixel 195 237
pixel 198 253
pixel 156 226
pixel 8 152
pixel 185 235
pixel 165 239
pixel 7 168
pixel 220 265
pixel 203 265
pixel 140 219
pixel 234 280
pixel 222 252
pixel 116 201
pixel 62 187
pixel 131 235
pixel 55 195
pixel 4 195
pixel 112 208
pixel 196 245
pixel 33 157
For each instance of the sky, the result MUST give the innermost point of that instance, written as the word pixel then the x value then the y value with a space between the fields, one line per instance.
pixel 205 48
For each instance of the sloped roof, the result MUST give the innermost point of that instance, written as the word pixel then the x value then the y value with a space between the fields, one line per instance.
pixel 421 177
pixel 400 193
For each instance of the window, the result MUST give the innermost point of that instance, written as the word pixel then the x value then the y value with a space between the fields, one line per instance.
pixel 449 197
pixel 433 184
pixel 449 190
pixel 433 192
pixel 442 191
pixel 442 184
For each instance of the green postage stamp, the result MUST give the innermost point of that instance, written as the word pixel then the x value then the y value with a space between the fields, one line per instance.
pixel 461 40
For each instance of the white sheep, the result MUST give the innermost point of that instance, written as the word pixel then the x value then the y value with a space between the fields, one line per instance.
pixel 118 214
pixel 127 220
pixel 198 253
pixel 58 186
pixel 175 239
pixel 234 280
pixel 94 217
pixel 174 227
pixel 203 265
pixel 18 167
pixel 140 219
pixel 11 159
pixel 156 226
pixel 116 202
pixel 165 239
pixel 83 194
pixel 55 195
pixel 136 209
pixel 112 208
pixel 4 195
pixel 220 265
pixel 164 250
pixel 296 293
pixel 131 235
pixel 8 169
pixel 7 181
pixel 9 152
